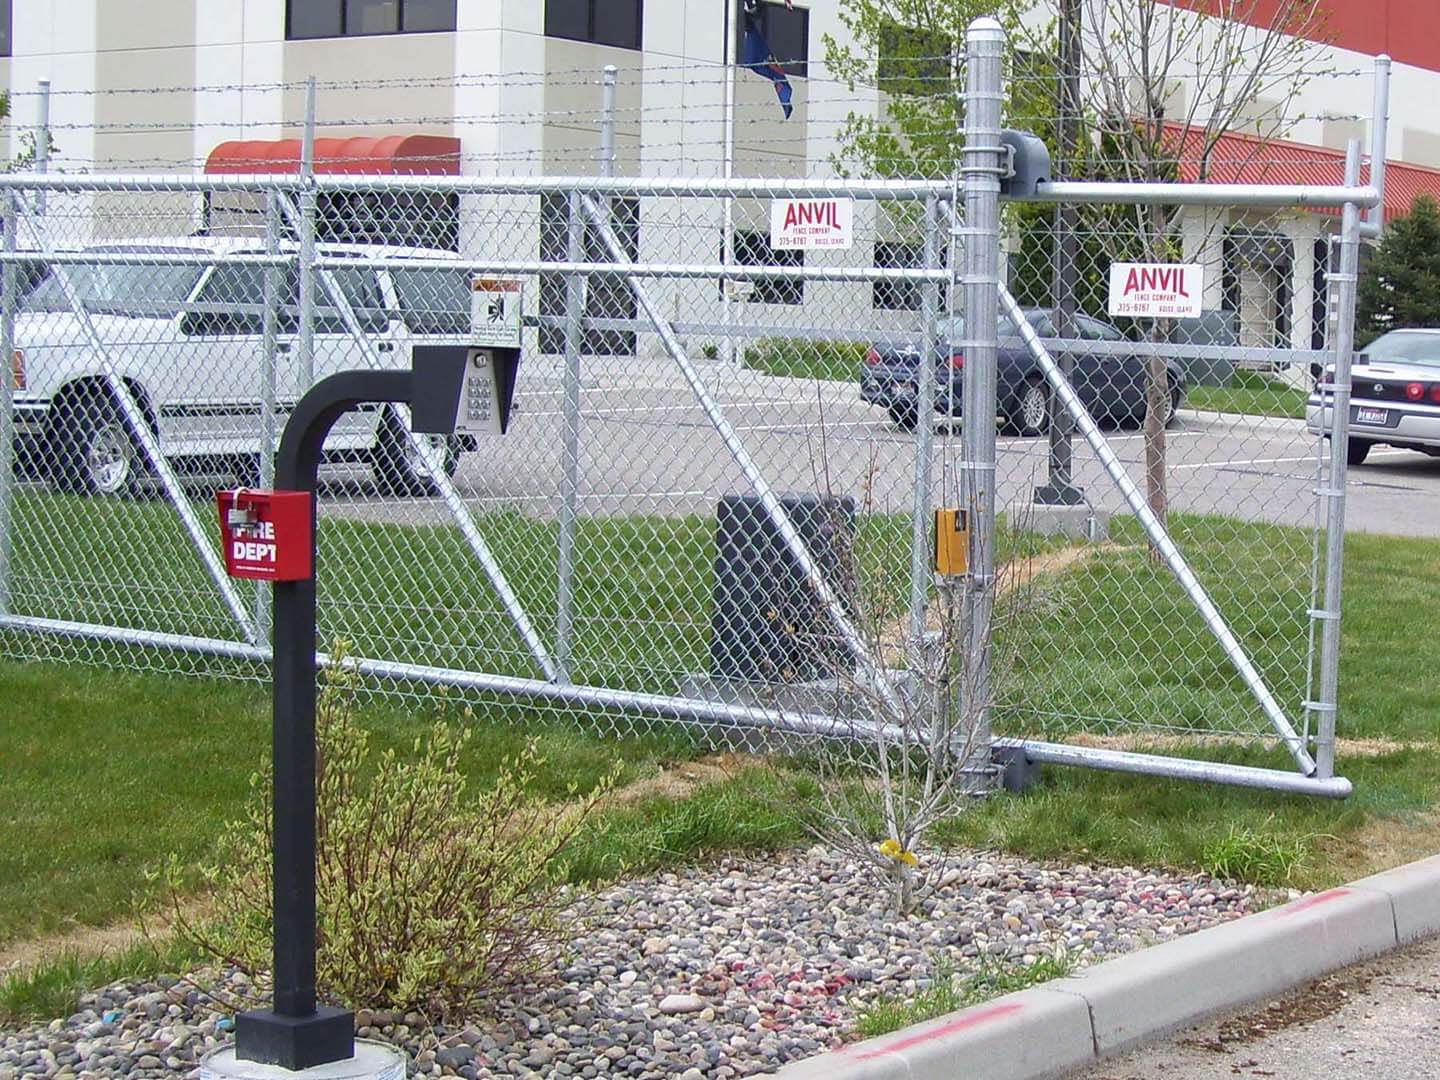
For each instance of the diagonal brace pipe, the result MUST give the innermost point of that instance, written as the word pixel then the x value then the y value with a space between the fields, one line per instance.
pixel 445 486
pixel 1158 535
pixel 148 439
pixel 834 607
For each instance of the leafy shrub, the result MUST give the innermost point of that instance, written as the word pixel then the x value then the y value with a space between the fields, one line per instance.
pixel 429 894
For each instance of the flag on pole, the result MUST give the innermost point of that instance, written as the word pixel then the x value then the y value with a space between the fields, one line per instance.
pixel 755 54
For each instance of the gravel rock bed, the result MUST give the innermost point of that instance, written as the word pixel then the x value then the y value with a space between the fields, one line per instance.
pixel 726 970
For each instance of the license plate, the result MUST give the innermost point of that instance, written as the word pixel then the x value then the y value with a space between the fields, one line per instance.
pixel 1372 416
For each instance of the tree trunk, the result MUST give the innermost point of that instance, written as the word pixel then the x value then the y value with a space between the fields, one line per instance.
pixel 904 889
pixel 1157 385
pixel 1157 400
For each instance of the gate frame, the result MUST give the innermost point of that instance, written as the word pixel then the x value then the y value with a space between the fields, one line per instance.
pixel 1350 195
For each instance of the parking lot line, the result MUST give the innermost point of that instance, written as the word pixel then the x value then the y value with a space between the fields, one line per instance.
pixel 1271 461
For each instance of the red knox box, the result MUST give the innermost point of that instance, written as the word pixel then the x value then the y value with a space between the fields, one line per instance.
pixel 267 535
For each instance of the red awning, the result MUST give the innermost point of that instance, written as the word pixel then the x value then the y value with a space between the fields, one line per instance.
pixel 392 155
pixel 1249 159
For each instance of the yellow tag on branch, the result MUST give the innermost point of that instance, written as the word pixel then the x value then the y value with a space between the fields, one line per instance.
pixel 891 849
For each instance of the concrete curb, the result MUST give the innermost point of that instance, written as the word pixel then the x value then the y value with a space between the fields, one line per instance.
pixel 1073 1022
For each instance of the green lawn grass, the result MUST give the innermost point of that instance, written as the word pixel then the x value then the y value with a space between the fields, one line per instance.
pixel 1252 394
pixel 1114 643
pixel 1249 392
pixel 413 593
pixel 801 358
pixel 107 772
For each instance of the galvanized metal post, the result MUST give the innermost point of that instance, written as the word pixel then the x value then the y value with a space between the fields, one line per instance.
pixel 1334 492
pixel 570 459
pixel 980 172
pixel 607 121
pixel 920 560
pixel 1374 222
pixel 727 140
pixel 9 279
pixel 306 237
pixel 269 347
pixel 42 142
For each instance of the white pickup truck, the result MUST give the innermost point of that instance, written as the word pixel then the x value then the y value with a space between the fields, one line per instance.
pixel 186 337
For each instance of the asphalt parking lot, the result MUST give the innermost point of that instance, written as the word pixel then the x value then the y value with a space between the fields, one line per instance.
pixel 647 447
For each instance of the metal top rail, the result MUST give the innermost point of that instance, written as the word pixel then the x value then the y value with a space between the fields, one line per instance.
pixel 1257 195
pixel 1251 195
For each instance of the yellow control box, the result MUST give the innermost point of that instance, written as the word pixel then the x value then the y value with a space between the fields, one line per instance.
pixel 952 542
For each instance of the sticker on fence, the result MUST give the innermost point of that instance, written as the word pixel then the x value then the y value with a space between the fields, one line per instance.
pixel 812 223
pixel 496 305
pixel 1157 290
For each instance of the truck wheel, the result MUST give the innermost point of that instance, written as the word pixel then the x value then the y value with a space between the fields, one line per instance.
pixel 1174 408
pixel 397 464
pixel 1032 409
pixel 95 451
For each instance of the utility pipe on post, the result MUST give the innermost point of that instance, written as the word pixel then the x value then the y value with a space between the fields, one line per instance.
pixel 1060 489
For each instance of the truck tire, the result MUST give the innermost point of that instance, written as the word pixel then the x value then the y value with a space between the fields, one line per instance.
pixel 95 451
pixel 398 468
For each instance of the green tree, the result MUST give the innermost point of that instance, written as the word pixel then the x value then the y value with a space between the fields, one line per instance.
pixel 1401 286
pixel 1162 81
pixel 911 51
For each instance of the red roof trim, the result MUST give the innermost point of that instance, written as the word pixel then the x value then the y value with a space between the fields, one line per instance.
pixel 1248 159
pixel 391 155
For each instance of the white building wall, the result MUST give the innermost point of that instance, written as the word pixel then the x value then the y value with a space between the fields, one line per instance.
pixel 524 104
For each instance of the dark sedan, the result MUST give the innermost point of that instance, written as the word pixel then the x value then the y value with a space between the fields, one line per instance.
pixel 1110 383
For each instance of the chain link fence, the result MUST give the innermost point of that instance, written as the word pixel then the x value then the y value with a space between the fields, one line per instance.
pixel 714 501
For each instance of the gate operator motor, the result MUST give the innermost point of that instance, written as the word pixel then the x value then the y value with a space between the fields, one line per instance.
pixel 952 543
pixel 463 389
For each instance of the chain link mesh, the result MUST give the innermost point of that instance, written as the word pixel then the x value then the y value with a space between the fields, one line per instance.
pixel 612 544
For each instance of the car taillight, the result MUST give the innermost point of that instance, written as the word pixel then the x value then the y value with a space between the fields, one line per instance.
pixel 872 357
pixel 17 369
pixel 1435 392
pixel 1415 391
pixel 958 361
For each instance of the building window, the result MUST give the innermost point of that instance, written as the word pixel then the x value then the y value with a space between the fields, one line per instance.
pixel 6 13
pixel 603 22
pixel 607 297
pixel 897 295
pixel 752 248
pixel 358 18
pixel 428 219
pixel 786 31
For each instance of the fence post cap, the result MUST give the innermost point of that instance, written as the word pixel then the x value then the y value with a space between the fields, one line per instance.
pixel 985 28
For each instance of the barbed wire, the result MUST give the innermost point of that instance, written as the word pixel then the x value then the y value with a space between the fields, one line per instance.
pixel 648 75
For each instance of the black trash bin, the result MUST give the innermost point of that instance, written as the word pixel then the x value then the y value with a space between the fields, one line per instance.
pixel 767 624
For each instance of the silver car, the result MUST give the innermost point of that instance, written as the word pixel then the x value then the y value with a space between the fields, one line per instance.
pixel 1394 395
